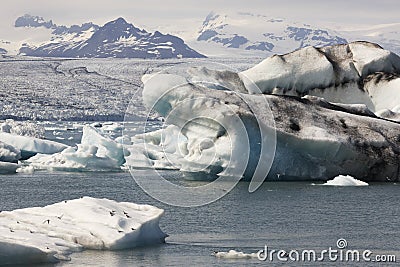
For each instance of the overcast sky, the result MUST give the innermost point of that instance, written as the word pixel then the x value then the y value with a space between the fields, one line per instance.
pixel 153 13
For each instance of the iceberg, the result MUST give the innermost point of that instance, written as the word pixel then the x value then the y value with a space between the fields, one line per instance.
pixel 8 167
pixel 345 180
pixel 284 127
pixel 94 153
pixel 9 153
pixel 354 73
pixel 51 233
pixel 30 146
pixel 9 157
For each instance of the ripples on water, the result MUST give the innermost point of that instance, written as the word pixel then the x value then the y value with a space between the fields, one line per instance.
pixel 283 215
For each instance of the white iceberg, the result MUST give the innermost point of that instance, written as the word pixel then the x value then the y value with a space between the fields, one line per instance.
pixel 345 180
pixel 49 234
pixel 30 146
pixel 214 136
pixel 9 153
pixel 94 153
pixel 9 157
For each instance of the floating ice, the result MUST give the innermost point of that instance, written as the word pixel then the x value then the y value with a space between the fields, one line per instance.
pixel 9 157
pixel 30 146
pixel 345 180
pixel 94 153
pixel 49 234
pixel 315 138
pixel 9 153
pixel 233 254
pixel 355 73
pixel 161 149
pixel 8 167
pixel 26 169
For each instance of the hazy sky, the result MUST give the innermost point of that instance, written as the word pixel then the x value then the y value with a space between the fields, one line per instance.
pixel 153 13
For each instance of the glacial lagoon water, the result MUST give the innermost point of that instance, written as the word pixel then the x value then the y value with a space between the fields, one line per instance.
pixel 282 215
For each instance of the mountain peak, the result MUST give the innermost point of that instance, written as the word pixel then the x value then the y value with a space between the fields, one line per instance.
pixel 251 31
pixel 117 38
pixel 119 21
pixel 33 21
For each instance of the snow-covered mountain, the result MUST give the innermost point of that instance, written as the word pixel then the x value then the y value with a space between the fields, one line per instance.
pixel 117 38
pixel 257 32
pixel 386 35
pixel 223 35
pixel 34 21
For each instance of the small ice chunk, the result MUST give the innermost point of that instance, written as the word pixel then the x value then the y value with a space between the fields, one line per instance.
pixel 25 169
pixel 233 254
pixel 9 153
pixel 345 180
pixel 8 167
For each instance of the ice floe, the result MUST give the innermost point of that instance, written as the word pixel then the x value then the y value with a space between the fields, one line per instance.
pixel 233 254
pixel 51 233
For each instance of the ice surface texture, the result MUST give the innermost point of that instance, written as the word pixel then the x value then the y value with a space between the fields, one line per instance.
pixel 51 233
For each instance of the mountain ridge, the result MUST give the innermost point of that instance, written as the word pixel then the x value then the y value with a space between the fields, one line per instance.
pixel 116 38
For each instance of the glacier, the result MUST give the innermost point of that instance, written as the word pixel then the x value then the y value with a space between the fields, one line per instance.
pixel 298 130
pixel 51 233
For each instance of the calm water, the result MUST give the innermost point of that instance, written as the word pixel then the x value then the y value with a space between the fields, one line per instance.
pixel 281 215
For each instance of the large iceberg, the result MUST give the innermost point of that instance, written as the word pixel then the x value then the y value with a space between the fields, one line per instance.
pixel 281 122
pixel 95 153
pixel 51 233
